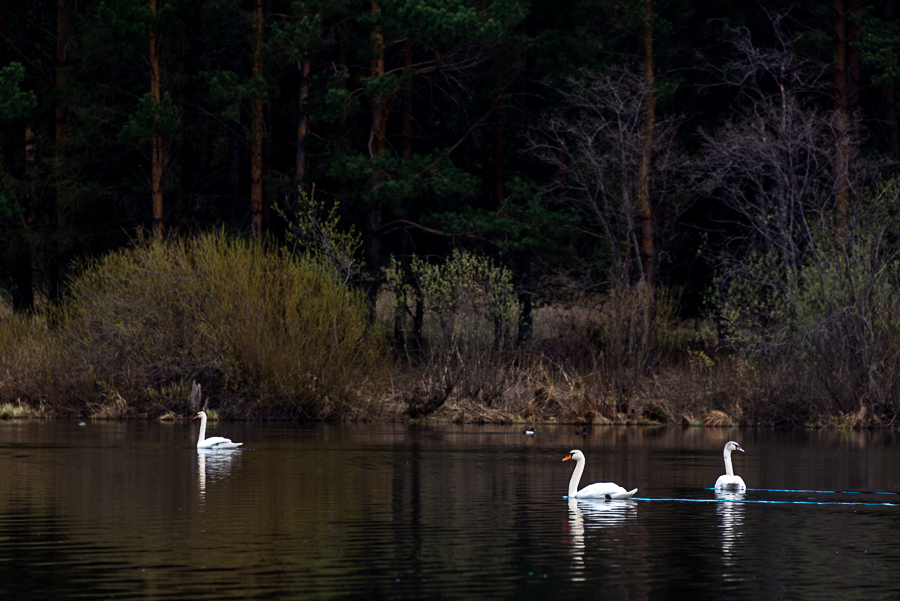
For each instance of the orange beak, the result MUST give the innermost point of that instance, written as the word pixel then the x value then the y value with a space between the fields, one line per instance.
pixel 569 456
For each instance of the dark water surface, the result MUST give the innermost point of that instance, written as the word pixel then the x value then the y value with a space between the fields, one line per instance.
pixel 133 511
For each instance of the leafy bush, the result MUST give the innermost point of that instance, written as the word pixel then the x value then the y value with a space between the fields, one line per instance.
pixel 826 330
pixel 264 331
pixel 468 323
pixel 845 327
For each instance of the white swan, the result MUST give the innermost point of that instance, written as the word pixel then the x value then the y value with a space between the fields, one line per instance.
pixel 600 490
pixel 729 481
pixel 213 442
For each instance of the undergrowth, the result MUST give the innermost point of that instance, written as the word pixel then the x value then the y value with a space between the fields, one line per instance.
pixel 269 334
pixel 272 335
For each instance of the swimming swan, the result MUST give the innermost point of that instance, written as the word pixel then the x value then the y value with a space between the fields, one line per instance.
pixel 600 490
pixel 213 442
pixel 729 481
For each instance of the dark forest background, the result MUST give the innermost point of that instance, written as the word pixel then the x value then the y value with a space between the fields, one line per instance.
pixel 693 204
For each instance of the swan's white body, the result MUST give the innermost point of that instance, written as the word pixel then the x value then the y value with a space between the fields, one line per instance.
pixel 599 490
pixel 728 481
pixel 213 442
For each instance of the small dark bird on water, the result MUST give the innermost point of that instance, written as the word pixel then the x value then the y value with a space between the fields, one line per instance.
pixel 529 432
pixel 583 432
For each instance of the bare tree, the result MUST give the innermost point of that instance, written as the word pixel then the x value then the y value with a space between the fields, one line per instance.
pixel 597 141
pixel 773 164
pixel 773 169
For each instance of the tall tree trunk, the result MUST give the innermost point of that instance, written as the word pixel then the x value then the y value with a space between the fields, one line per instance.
pixel 846 97
pixel 256 126
pixel 407 250
pixel 158 158
pixel 62 128
pixel 408 102
pixel 381 103
pixel 889 100
pixel 304 66
pixel 498 174
pixel 22 289
pixel 645 212
pixel 186 68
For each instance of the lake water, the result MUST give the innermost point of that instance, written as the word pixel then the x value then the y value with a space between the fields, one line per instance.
pixel 133 511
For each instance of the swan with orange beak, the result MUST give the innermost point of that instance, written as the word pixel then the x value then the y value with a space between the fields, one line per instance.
pixel 599 490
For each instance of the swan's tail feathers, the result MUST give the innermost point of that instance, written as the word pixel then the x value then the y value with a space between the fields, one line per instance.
pixel 218 444
pixel 625 495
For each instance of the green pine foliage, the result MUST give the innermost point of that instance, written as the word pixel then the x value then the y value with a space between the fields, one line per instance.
pixel 150 118
pixel 16 104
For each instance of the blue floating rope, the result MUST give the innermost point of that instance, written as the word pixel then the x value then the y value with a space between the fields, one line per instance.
pixel 767 502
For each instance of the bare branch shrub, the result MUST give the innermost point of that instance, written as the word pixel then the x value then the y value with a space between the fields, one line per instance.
pixel 33 369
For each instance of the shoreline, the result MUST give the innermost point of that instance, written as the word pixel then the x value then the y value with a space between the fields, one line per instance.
pixel 713 419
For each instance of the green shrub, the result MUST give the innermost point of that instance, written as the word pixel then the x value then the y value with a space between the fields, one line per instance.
pixel 826 331
pixel 266 333
pixel 469 323
pixel 846 324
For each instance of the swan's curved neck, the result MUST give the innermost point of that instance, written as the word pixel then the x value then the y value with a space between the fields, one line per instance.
pixel 203 430
pixel 729 470
pixel 576 477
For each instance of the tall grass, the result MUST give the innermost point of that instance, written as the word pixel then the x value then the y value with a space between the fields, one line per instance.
pixel 600 357
pixel 32 367
pixel 632 333
pixel 266 333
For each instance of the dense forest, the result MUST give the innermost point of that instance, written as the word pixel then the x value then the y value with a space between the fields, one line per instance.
pixel 660 211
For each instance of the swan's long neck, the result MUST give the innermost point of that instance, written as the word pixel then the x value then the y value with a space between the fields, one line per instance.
pixel 576 477
pixel 203 431
pixel 729 471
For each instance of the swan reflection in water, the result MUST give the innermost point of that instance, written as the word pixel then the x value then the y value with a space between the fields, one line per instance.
pixel 212 465
pixel 731 515
pixel 594 513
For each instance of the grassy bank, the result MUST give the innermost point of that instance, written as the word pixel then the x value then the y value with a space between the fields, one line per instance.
pixel 273 336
